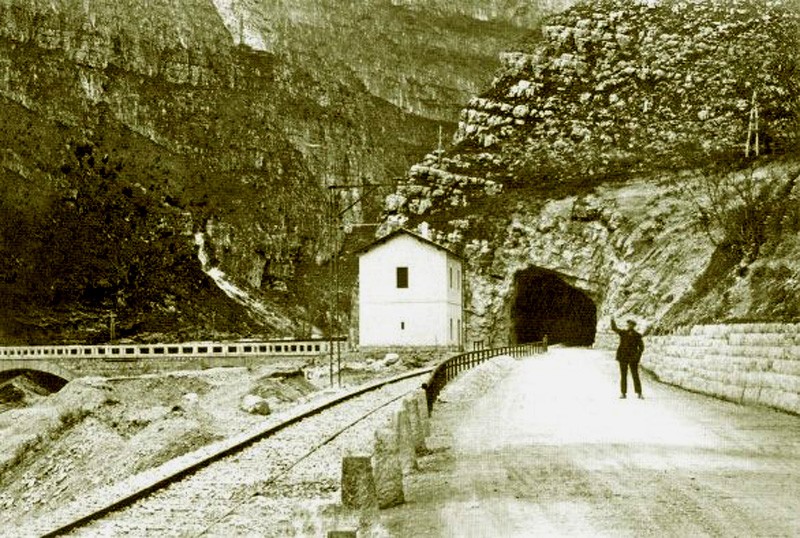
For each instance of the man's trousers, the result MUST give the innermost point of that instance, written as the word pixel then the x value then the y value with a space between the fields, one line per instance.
pixel 623 377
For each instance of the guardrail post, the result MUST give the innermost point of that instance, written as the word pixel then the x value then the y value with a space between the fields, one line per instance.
pixel 358 482
pixel 388 468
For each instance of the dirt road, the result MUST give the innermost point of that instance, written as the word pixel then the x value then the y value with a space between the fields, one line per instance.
pixel 551 451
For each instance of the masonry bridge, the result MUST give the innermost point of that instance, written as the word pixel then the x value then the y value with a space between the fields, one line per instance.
pixel 60 364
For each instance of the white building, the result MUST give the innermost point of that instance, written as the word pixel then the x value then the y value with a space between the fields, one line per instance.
pixel 410 293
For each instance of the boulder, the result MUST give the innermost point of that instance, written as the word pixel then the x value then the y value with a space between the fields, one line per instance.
pixel 255 405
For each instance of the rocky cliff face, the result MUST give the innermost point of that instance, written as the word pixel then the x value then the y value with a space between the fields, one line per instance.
pixel 644 152
pixel 217 138
pixel 427 57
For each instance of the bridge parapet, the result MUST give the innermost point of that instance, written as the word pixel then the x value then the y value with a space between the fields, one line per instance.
pixel 73 361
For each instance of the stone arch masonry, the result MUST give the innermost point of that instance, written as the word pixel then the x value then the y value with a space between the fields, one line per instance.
pixel 757 363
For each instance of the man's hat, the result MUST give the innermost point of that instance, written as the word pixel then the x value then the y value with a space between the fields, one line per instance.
pixel 632 322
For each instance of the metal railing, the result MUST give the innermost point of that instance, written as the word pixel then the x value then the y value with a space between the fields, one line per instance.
pixel 453 366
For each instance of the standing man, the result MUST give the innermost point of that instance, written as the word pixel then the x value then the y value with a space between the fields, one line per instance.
pixel 629 352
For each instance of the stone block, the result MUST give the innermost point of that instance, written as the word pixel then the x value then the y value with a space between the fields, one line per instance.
pixel 751 395
pixel 417 430
pixel 358 483
pixel 388 468
pixel 343 534
pixel 786 401
pixel 787 366
pixel 405 441
pixel 421 400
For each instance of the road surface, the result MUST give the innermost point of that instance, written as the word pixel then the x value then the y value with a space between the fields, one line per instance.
pixel 550 450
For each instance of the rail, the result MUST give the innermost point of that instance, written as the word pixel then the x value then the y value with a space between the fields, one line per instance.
pixel 453 366
pixel 156 479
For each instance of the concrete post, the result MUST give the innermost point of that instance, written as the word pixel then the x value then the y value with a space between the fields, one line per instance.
pixel 358 482
pixel 388 468
pixel 405 441
pixel 422 405
pixel 417 434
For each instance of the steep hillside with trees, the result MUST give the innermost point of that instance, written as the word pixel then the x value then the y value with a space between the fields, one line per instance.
pixel 696 102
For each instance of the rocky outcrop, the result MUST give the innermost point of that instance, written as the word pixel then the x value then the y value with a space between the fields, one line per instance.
pixel 424 56
pixel 619 150
pixel 225 140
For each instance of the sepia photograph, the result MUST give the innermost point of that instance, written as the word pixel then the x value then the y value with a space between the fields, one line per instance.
pixel 400 268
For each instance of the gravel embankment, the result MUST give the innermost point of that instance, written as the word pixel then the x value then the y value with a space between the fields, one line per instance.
pixel 262 490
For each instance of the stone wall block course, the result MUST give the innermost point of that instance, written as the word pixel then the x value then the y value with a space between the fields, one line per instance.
pixel 751 395
pixel 766 339
pixel 751 363
pixel 787 366
pixel 788 401
pixel 786 383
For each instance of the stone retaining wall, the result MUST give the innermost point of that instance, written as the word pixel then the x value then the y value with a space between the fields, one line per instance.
pixel 755 363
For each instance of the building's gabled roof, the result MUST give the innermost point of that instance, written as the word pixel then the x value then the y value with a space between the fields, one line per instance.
pixel 402 231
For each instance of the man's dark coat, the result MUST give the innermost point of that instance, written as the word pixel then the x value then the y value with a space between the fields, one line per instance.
pixel 631 344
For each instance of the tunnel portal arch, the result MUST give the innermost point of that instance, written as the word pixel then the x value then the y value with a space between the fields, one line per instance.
pixel 544 304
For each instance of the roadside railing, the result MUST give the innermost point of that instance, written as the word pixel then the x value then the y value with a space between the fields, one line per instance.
pixel 453 366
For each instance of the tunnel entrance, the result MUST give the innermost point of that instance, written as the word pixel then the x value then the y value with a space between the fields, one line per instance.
pixel 546 305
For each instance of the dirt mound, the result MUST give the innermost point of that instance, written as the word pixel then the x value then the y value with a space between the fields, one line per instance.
pixel 20 391
pixel 283 386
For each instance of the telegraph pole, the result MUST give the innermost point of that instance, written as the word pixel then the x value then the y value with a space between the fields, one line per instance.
pixel 111 317
pixel 334 226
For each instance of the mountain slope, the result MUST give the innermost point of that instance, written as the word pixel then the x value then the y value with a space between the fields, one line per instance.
pixel 645 151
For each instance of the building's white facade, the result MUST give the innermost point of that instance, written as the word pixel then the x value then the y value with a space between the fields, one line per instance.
pixel 410 293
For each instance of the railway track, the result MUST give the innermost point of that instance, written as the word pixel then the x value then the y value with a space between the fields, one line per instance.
pixel 218 490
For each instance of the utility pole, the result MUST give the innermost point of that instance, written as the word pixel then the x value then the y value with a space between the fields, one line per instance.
pixel 335 216
pixel 111 317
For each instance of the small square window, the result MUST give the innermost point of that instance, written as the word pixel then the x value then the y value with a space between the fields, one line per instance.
pixel 402 277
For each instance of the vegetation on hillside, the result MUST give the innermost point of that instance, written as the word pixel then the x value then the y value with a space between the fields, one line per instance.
pixel 613 88
pixel 202 136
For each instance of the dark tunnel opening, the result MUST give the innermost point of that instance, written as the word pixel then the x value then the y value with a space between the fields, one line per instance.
pixel 546 305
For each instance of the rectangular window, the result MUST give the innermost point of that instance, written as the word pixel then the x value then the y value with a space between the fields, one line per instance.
pixel 402 277
pixel 451 278
pixel 402 325
pixel 451 329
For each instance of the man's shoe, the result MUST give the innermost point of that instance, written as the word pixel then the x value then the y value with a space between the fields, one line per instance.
pixel 622 397
pixel 640 396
